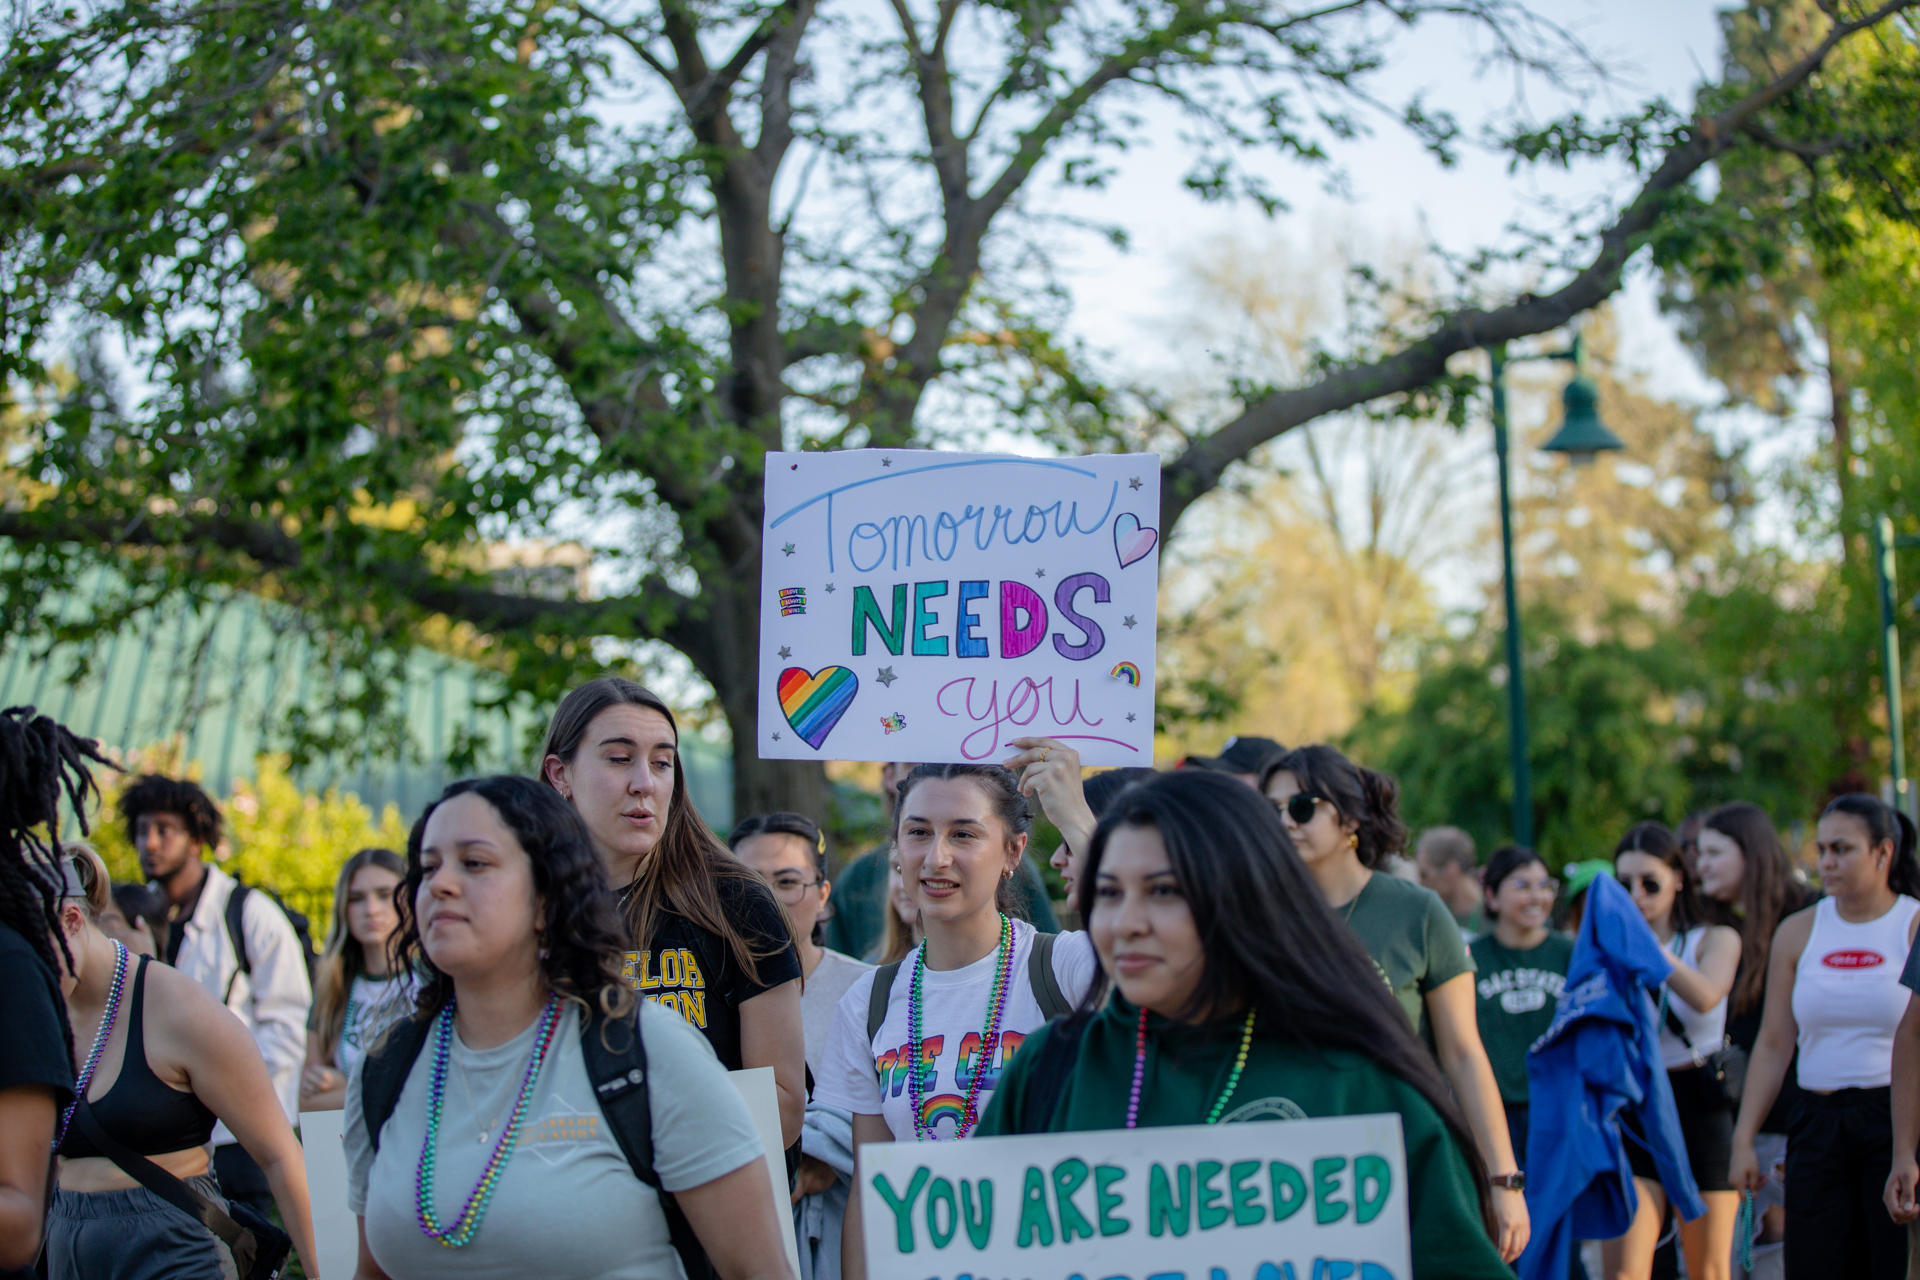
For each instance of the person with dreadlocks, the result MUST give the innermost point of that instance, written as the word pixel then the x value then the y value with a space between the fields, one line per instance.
pixel 39 760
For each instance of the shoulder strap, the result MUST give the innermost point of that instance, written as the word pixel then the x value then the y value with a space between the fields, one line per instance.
pixel 236 925
pixel 877 998
pixel 169 1188
pixel 1040 976
pixel 616 1058
pixel 1058 1054
pixel 384 1074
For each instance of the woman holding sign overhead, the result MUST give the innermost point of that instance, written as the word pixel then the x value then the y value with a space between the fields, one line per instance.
pixel 918 1046
pixel 1241 997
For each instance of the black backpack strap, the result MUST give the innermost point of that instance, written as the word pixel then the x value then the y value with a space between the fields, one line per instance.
pixel 1040 976
pixel 877 998
pixel 616 1060
pixel 237 934
pixel 384 1074
pixel 1059 1052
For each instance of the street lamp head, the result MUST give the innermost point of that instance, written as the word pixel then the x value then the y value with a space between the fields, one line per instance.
pixel 1582 435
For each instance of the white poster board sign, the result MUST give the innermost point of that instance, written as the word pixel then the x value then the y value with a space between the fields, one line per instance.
pixel 758 1091
pixel 336 1234
pixel 933 606
pixel 1299 1200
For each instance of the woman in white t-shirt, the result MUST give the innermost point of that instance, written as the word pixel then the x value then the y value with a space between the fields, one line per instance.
pixel 357 989
pixel 963 1001
pixel 495 1156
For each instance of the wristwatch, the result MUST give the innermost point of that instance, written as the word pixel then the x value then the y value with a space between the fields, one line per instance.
pixel 1508 1181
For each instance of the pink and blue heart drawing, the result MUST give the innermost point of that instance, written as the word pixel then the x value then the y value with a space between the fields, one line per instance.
pixel 1132 540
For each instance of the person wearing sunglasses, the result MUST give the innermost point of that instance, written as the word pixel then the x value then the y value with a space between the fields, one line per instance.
pixel 1693 1021
pixel 1343 822
pixel 1520 969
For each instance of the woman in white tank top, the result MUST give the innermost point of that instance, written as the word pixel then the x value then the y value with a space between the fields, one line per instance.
pixel 1706 956
pixel 1834 990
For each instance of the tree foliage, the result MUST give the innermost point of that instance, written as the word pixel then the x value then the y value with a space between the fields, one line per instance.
pixel 393 284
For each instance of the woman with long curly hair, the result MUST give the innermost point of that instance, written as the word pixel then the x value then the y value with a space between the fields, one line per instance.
pixel 495 1155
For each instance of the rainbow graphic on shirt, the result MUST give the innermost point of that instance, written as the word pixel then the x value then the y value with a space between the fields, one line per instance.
pixel 1126 671
pixel 945 1106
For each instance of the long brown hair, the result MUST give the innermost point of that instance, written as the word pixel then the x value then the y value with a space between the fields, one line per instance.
pixel 1767 893
pixel 683 873
pixel 344 959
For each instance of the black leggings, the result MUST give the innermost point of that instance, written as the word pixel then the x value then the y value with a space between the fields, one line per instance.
pixel 1838 1157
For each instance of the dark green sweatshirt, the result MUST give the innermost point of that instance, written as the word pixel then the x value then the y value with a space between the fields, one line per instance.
pixel 1188 1066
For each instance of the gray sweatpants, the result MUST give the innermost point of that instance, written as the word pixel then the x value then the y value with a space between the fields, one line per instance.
pixel 133 1235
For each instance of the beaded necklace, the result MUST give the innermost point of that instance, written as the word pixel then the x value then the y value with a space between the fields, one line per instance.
pixel 1140 1071
pixel 989 1039
pixel 460 1231
pixel 107 1019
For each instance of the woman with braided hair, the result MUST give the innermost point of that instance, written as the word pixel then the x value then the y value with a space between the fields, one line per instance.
pixel 39 761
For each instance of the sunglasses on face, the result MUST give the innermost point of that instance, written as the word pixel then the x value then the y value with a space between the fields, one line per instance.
pixel 1649 884
pixel 1300 807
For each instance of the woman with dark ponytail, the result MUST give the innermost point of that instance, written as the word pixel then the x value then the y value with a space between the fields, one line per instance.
pixel 1343 822
pixel 1240 997
pixel 1834 991
pixel 39 762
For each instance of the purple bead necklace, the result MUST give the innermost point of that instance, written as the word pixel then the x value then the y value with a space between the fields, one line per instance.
pixel 989 1040
pixel 100 1038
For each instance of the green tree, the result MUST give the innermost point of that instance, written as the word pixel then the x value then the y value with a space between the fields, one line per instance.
pixel 397 287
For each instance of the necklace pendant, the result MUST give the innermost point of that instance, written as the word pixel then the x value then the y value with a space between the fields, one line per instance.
pixel 483 1137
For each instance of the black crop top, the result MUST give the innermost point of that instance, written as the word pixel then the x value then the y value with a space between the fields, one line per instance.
pixel 141 1109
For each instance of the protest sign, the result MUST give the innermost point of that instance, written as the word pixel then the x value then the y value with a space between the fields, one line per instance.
pixel 934 606
pixel 756 1088
pixel 336 1232
pixel 1294 1200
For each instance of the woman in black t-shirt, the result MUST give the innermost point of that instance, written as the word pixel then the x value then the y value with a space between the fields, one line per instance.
pixel 39 760
pixel 710 941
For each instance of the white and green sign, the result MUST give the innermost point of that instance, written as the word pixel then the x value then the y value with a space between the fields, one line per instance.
pixel 1299 1200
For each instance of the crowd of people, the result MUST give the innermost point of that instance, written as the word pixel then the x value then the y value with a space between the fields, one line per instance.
pixel 527 1017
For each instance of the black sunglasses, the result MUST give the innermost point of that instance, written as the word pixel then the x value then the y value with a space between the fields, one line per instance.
pixel 1649 884
pixel 1300 807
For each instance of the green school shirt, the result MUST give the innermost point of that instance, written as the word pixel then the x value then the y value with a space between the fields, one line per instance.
pixel 1413 939
pixel 1188 1066
pixel 1514 994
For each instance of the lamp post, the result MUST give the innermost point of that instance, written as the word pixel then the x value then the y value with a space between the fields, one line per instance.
pixel 1581 436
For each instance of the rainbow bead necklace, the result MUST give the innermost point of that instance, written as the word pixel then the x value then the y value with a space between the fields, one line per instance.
pixel 1140 1071
pixel 100 1037
pixel 460 1231
pixel 989 1039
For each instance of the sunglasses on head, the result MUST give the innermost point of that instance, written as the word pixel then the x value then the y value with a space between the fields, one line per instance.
pixel 1300 807
pixel 1649 884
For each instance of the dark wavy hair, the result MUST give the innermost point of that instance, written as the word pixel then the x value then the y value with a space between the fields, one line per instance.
pixel 683 873
pixel 186 800
pixel 1002 789
pixel 585 947
pixel 1885 823
pixel 1362 795
pixel 1506 860
pixel 1269 936
pixel 1768 893
pixel 1657 840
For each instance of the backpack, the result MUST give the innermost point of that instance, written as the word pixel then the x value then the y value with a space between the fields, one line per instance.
pixel 302 929
pixel 1040 976
pixel 616 1064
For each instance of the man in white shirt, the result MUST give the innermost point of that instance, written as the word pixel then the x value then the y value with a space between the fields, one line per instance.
pixel 172 823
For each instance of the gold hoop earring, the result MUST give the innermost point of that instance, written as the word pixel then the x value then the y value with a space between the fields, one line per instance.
pixel 1353 841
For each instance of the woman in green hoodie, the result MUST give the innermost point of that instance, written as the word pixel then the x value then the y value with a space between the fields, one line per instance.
pixel 1240 996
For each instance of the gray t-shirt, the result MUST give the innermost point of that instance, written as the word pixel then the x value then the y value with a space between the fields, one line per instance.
pixel 567 1205
pixel 820 997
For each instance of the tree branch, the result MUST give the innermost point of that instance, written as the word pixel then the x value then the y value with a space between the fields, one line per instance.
pixel 1202 464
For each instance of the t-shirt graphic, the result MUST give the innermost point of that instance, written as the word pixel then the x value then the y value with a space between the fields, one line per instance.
pixel 948 1108
pixel 1515 993
pixel 672 979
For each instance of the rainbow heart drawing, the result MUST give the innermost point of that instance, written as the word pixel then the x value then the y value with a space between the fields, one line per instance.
pixel 1132 540
pixel 814 701
pixel 1126 671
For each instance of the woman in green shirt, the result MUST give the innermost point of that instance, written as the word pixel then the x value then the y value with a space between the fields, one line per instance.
pixel 1342 819
pixel 1240 997
pixel 1520 969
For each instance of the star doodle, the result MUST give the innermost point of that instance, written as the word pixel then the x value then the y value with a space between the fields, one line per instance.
pixel 1131 717
pixel 1134 483
pixel 829 588
pixel 788 549
pixel 1129 622
pixel 1039 573
pixel 785 652
pixel 886 676
pixel 776 737
pixel 886 462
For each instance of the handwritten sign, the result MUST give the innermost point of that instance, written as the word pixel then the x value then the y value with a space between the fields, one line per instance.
pixel 933 606
pixel 1295 1200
